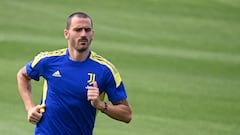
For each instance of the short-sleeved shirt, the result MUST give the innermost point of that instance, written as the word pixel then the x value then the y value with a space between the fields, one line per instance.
pixel 68 112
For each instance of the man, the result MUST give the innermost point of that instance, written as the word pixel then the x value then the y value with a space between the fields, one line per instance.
pixel 76 80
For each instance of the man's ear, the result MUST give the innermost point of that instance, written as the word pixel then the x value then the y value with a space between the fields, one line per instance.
pixel 66 33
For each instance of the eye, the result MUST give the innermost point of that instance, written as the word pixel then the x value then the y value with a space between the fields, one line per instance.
pixel 88 29
pixel 78 29
pixel 81 29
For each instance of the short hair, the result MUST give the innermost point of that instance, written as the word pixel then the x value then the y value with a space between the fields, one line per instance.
pixel 77 14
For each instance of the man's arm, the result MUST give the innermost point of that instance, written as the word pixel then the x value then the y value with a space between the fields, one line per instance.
pixel 25 88
pixel 120 110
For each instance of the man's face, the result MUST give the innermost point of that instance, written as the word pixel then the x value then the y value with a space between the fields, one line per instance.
pixel 79 34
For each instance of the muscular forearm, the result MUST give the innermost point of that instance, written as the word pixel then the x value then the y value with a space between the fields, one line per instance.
pixel 24 87
pixel 119 112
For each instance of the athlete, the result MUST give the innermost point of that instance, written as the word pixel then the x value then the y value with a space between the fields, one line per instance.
pixel 75 82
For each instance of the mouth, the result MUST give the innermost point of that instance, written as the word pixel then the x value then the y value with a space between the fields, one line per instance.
pixel 83 41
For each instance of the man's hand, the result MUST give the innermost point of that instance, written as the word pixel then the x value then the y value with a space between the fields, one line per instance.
pixel 93 96
pixel 34 114
pixel 119 110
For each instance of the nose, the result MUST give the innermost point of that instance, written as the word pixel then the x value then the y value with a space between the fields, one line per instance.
pixel 83 33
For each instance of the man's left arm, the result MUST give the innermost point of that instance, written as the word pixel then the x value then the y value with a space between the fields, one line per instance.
pixel 119 110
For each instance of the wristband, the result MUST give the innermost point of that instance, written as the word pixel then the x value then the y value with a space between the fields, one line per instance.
pixel 104 110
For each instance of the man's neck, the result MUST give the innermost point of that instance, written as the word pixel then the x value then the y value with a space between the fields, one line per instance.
pixel 74 55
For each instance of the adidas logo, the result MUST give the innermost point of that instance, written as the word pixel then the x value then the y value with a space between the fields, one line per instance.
pixel 56 74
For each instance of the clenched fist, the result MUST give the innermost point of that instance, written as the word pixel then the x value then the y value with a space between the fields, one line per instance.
pixel 93 96
pixel 34 114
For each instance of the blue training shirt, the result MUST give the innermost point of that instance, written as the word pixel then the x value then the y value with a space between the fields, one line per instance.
pixel 68 112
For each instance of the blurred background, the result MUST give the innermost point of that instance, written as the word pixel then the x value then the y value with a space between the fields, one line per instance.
pixel 179 60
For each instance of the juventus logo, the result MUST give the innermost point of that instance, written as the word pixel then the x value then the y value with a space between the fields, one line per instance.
pixel 91 78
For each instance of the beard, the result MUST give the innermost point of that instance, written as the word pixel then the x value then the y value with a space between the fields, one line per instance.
pixel 81 50
pixel 81 45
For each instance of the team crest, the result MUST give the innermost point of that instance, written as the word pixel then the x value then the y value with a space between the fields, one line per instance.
pixel 91 79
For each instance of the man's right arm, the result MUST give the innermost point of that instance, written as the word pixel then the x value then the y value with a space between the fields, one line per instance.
pixel 25 88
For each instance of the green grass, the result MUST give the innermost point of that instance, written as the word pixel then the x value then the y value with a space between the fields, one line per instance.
pixel 179 60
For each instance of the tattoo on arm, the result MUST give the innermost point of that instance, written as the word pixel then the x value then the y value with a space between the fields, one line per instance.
pixel 24 72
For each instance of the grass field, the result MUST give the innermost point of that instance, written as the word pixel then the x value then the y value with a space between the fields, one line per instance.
pixel 179 60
